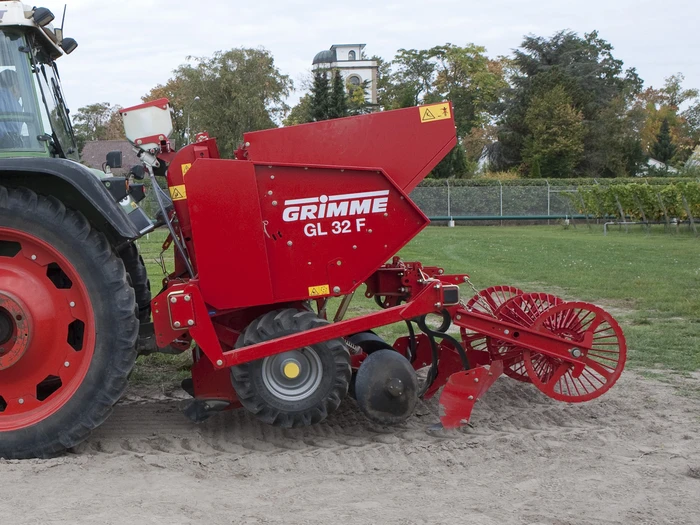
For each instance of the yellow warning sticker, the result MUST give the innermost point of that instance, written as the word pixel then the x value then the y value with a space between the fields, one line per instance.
pixel 435 112
pixel 315 291
pixel 185 169
pixel 178 193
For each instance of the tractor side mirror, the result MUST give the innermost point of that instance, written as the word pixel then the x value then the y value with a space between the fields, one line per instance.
pixel 114 159
pixel 137 171
pixel 69 45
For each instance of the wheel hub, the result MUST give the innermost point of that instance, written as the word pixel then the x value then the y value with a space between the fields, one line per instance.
pixel 14 331
pixel 291 369
pixel 7 327
pixel 294 375
pixel 46 310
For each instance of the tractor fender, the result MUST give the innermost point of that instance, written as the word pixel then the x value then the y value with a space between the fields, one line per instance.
pixel 76 186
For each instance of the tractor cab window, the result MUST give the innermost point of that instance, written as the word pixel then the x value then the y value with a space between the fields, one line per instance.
pixel 19 122
pixel 49 82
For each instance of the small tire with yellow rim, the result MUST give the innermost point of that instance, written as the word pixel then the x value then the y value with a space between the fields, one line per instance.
pixel 297 388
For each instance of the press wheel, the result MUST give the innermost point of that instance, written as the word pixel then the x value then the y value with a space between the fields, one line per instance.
pixel 603 360
pixel 522 310
pixel 297 388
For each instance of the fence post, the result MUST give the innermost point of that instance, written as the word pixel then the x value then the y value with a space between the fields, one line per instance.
pixel 549 201
pixel 663 207
pixel 450 222
pixel 641 209
pixel 583 206
pixel 501 186
pixel 690 215
pixel 622 213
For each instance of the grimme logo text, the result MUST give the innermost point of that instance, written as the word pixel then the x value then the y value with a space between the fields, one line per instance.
pixel 325 206
pixel 335 206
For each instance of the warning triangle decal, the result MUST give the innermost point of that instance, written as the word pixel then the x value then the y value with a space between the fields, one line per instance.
pixel 428 115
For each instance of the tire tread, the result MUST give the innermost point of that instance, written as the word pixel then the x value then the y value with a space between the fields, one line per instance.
pixel 116 296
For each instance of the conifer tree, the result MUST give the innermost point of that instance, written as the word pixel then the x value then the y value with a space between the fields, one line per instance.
pixel 320 96
pixel 664 149
pixel 338 106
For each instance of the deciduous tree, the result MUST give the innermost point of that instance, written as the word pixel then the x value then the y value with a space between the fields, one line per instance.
pixel 227 94
pixel 599 87
pixel 679 107
pixel 99 121
pixel 301 113
pixel 554 145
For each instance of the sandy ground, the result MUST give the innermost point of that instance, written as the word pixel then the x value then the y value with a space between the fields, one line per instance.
pixel 632 456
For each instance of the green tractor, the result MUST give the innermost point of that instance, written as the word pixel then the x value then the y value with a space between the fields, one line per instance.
pixel 74 295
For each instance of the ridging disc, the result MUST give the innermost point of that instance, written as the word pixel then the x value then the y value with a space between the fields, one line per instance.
pixel 386 387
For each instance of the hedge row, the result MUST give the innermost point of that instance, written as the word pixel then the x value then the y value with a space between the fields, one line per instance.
pixel 655 181
pixel 651 199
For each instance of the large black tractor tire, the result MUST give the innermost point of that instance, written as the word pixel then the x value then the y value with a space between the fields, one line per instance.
pixel 313 389
pixel 65 291
pixel 138 278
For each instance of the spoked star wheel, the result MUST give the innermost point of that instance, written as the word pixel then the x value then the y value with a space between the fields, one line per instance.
pixel 487 301
pixel 522 310
pixel 603 350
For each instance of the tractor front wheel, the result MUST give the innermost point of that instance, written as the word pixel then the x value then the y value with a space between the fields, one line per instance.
pixel 296 388
pixel 68 326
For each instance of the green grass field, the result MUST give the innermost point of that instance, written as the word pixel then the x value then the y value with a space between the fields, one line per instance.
pixel 650 282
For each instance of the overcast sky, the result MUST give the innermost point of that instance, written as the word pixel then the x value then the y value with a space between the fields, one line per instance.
pixel 128 46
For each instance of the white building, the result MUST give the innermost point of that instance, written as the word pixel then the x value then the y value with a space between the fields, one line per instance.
pixel 694 160
pixel 349 60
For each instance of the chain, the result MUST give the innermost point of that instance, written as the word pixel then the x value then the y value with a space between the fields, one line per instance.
pixel 477 293
pixel 471 284
pixel 160 261
pixel 161 257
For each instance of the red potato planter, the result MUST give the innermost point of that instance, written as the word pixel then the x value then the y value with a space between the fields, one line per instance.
pixel 261 243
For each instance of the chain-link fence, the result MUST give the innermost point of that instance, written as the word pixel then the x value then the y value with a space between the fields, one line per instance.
pixel 476 200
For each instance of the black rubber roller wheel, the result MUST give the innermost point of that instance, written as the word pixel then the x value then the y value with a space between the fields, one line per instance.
pixel 296 388
pixel 69 327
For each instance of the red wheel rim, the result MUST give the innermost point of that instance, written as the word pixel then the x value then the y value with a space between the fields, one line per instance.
pixel 587 324
pixel 487 301
pixel 522 310
pixel 51 338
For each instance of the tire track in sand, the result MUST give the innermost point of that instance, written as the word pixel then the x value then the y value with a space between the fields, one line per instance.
pixel 512 416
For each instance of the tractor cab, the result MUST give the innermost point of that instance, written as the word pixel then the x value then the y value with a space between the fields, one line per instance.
pixel 36 134
pixel 34 119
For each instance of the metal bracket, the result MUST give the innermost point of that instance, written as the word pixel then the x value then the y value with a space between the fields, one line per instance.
pixel 181 310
